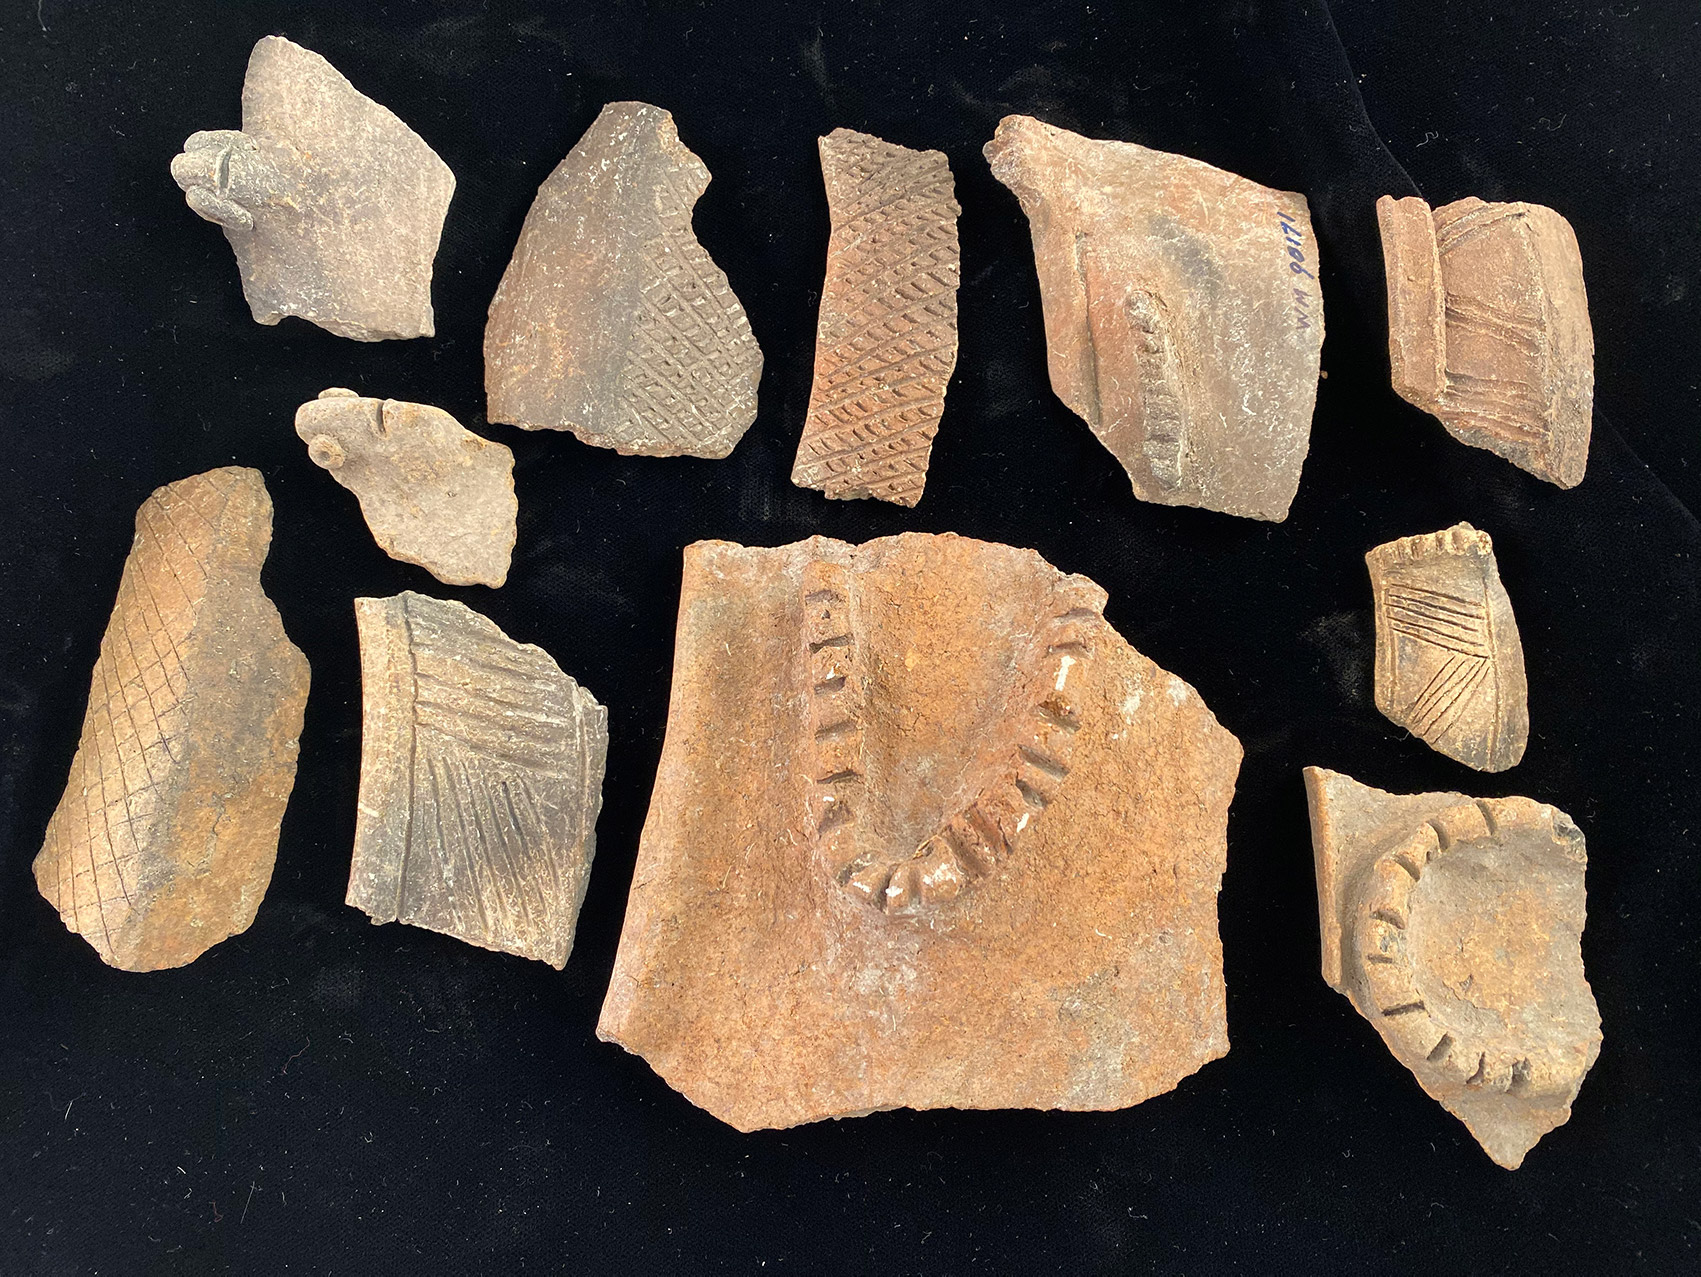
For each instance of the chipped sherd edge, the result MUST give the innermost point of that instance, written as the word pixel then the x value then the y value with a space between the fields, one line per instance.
pixel 1454 925
pixel 1183 316
pixel 611 320
pixel 926 832
pixel 164 841
pixel 1488 328
pixel 431 491
pixel 886 339
pixel 481 770
pixel 333 205
pixel 1449 663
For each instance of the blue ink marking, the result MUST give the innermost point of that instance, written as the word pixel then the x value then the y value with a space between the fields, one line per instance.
pixel 1295 241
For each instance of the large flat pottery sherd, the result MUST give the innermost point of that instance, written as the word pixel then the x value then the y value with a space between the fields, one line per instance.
pixel 926 832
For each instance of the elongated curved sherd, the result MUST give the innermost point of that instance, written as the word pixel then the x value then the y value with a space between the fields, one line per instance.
pixel 481 769
pixel 1183 315
pixel 1449 664
pixel 1455 925
pixel 1488 328
pixel 926 832
pixel 332 204
pixel 886 339
pixel 611 320
pixel 164 841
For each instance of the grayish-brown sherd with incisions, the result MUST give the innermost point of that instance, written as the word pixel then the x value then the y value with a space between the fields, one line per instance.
pixel 886 340
pixel 1183 317
pixel 1449 666
pixel 333 205
pixel 611 320
pixel 1488 328
pixel 1454 925
pixel 481 770
pixel 431 491
pixel 164 842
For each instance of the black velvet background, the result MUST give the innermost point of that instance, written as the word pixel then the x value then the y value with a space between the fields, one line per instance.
pixel 321 1095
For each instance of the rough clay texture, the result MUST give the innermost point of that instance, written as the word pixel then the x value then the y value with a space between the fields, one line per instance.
pixel 1449 666
pixel 926 833
pixel 481 769
pixel 1183 317
pixel 431 491
pixel 1488 328
pixel 1454 925
pixel 164 841
pixel 611 320
pixel 886 341
pixel 333 205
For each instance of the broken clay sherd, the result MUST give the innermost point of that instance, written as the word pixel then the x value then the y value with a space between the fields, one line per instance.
pixel 611 320
pixel 886 340
pixel 480 780
pixel 164 842
pixel 333 205
pixel 1449 667
pixel 431 491
pixel 1183 317
pixel 926 833
pixel 1454 925
pixel 1488 328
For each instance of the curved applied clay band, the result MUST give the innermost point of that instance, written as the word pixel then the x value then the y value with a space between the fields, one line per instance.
pixel 164 842
pixel 1183 317
pixel 927 832
pixel 1454 925
pixel 1488 328
pixel 333 205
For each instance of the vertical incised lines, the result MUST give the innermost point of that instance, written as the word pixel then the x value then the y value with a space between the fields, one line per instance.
pixel 1500 403
pixel 837 702
pixel 498 738
pixel 414 789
